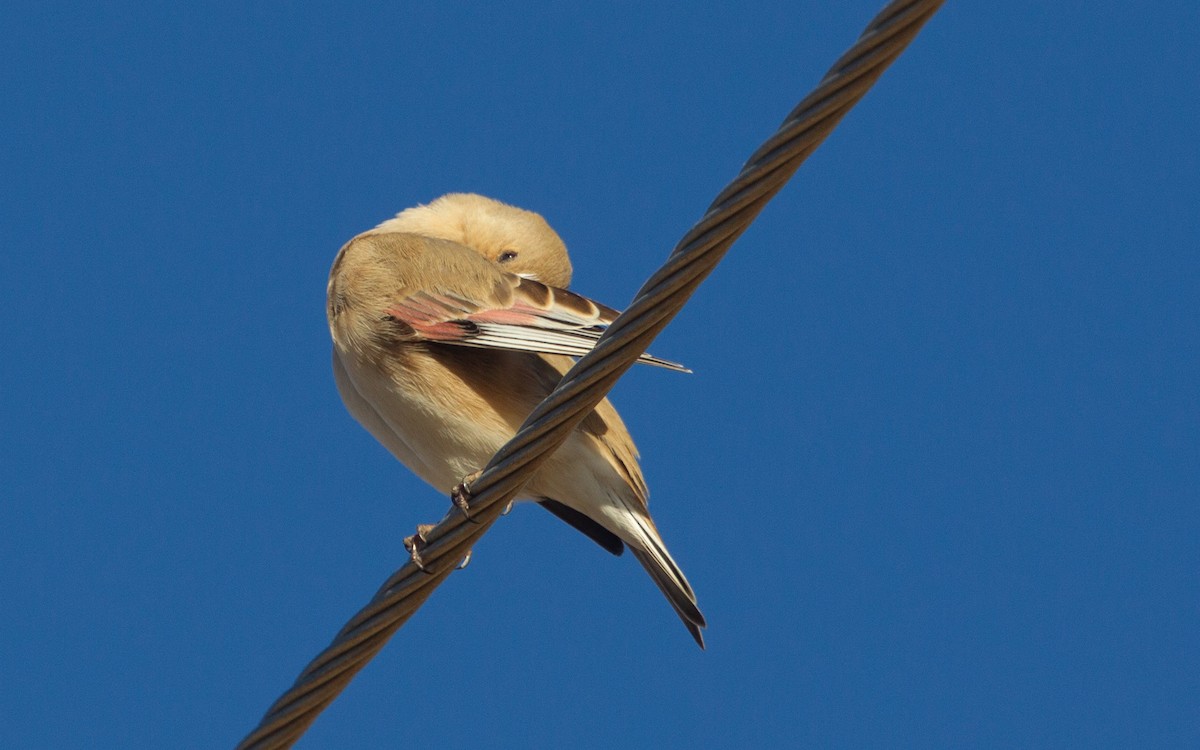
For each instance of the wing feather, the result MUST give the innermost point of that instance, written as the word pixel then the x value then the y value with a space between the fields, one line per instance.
pixel 533 318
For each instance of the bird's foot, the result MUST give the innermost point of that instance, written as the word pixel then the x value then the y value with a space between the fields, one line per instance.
pixel 461 496
pixel 466 559
pixel 417 542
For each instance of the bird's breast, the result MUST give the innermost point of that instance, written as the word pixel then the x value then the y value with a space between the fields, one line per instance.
pixel 442 411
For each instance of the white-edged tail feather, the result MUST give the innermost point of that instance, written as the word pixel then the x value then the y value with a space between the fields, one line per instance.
pixel 652 554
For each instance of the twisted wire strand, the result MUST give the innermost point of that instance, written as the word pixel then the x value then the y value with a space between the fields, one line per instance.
pixel 588 382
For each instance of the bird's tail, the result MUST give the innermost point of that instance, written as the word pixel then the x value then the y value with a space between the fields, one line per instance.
pixel 650 551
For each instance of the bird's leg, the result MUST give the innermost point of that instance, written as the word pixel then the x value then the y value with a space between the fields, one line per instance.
pixel 415 543
pixel 461 496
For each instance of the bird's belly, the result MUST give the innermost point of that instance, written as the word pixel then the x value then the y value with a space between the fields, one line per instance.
pixel 442 429
pixel 446 448
pixel 439 434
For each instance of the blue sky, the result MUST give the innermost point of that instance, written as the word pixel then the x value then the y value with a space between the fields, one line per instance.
pixel 934 478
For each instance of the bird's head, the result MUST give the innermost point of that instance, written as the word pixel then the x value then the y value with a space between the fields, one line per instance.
pixel 516 240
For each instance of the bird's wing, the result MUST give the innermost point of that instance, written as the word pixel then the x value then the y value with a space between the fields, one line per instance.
pixel 533 318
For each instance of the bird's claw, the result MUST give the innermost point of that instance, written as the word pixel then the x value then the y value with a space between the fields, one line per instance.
pixel 466 559
pixel 415 543
pixel 461 496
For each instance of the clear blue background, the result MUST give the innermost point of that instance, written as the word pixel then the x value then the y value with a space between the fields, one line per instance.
pixel 935 478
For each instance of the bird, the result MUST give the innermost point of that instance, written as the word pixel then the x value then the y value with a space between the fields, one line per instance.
pixel 450 322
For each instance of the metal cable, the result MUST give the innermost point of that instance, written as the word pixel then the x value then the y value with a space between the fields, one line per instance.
pixel 589 381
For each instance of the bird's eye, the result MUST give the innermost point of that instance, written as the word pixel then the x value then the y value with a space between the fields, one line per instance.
pixel 507 255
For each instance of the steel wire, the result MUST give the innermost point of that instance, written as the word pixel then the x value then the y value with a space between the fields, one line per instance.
pixel 588 382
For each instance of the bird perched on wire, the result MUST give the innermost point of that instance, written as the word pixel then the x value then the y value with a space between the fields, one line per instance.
pixel 450 322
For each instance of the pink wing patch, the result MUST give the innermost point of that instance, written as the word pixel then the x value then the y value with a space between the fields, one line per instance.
pixel 509 316
pixel 540 319
pixel 433 317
